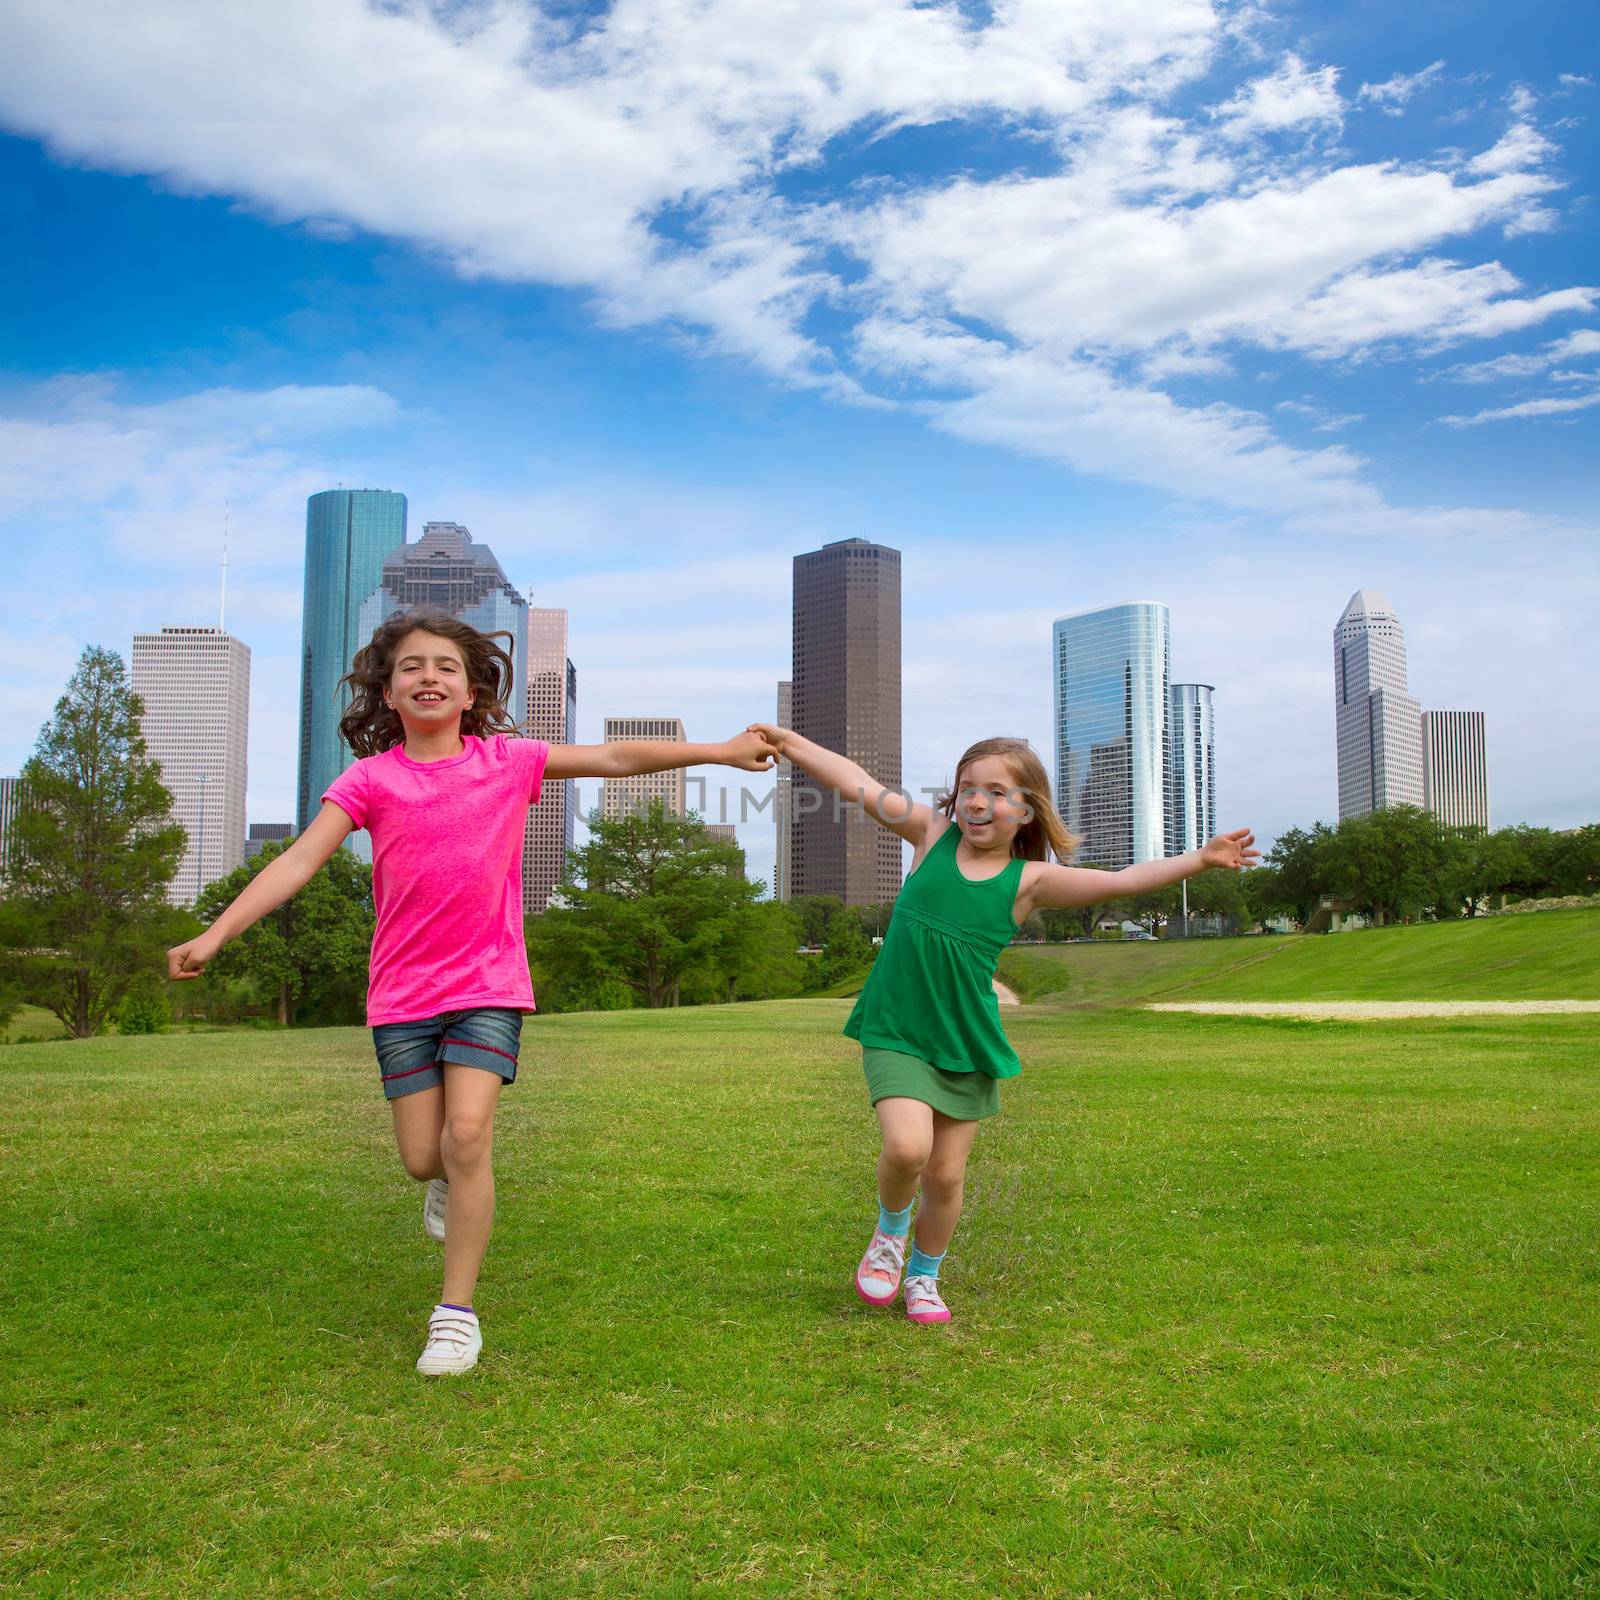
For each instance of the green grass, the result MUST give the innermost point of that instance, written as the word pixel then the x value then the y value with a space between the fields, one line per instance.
pixel 33 1022
pixel 1244 1308
pixel 1553 955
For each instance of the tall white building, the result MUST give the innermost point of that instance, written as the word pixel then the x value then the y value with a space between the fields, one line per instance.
pixel 552 714
pixel 625 796
pixel 1191 748
pixel 1113 674
pixel 784 800
pixel 1455 767
pixel 195 685
pixel 1378 724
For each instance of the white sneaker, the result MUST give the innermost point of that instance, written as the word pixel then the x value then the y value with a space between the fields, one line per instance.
pixel 433 1204
pixel 454 1340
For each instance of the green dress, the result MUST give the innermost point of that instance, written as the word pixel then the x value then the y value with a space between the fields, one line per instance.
pixel 928 1019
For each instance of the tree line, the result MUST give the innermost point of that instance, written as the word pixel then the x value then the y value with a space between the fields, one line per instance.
pixel 652 911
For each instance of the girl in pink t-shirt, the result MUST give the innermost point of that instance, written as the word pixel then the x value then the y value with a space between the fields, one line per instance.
pixel 443 788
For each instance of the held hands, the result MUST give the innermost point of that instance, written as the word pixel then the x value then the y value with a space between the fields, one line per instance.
pixel 751 750
pixel 772 733
pixel 1232 850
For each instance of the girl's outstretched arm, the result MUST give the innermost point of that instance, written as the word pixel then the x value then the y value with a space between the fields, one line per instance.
pixel 1083 886
pixel 627 758
pixel 894 808
pixel 281 879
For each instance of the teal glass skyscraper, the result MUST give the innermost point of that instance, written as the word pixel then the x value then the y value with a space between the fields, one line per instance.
pixel 348 534
pixel 1112 678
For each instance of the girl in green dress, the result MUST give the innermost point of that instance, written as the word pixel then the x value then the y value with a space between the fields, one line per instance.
pixel 928 1019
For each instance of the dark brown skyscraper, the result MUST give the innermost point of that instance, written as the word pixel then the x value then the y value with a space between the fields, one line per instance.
pixel 847 697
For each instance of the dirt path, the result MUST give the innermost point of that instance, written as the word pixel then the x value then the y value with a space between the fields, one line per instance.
pixel 1006 997
pixel 1377 1010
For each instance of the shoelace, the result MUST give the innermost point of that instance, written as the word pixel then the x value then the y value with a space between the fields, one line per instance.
pixel 922 1292
pixel 883 1254
pixel 455 1331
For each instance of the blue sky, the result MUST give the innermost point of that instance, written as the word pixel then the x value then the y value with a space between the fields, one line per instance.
pixel 1240 308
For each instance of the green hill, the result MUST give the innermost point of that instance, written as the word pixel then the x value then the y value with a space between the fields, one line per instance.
pixel 1552 955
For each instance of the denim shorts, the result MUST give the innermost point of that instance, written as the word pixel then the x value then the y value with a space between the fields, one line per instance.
pixel 411 1055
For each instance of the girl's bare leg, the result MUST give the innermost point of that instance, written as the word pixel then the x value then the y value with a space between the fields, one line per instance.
pixel 465 1146
pixel 418 1124
pixel 907 1127
pixel 944 1178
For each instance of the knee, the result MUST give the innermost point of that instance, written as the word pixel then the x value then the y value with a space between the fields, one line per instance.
pixel 466 1139
pixel 944 1179
pixel 905 1152
pixel 421 1164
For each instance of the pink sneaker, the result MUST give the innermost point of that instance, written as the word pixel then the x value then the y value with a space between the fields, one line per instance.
pixel 922 1301
pixel 878 1276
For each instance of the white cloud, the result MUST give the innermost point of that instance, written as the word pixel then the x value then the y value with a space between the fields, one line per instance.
pixel 1291 97
pixel 1573 347
pixel 642 155
pixel 1394 94
pixel 1520 147
pixel 1319 418
pixel 1528 408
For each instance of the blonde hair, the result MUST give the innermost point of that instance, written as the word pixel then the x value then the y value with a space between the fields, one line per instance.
pixel 1044 833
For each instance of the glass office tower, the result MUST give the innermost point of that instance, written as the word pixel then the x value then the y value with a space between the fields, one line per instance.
pixel 348 534
pixel 1191 741
pixel 1112 676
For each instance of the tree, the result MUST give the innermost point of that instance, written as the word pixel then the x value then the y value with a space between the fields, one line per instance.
pixel 1391 862
pixel 814 910
pixel 1263 896
pixel 1066 922
pixel 1302 860
pixel 93 849
pixel 308 959
pixel 846 951
pixel 651 904
pixel 1576 862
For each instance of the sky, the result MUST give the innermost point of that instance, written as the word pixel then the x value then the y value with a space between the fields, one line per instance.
pixel 1233 306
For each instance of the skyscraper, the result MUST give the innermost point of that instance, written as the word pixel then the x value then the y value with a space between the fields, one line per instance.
pixel 1455 767
pixel 445 569
pixel 195 685
pixel 1113 767
pixel 627 796
pixel 552 715
pixel 1377 723
pixel 846 695
pixel 348 533
pixel 10 799
pixel 1191 745
pixel 265 833
pixel 783 800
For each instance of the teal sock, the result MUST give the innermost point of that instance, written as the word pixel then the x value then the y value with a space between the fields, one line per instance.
pixel 896 1222
pixel 922 1265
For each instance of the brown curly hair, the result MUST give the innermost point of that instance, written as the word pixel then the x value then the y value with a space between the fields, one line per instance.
pixel 1044 833
pixel 370 727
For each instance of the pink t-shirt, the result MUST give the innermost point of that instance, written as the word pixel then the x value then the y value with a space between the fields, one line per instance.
pixel 446 874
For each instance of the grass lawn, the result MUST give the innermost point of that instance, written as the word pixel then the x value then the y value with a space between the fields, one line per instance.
pixel 1244 1308
pixel 1548 955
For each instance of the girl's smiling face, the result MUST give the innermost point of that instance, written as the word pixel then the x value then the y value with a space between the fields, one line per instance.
pixel 990 806
pixel 428 686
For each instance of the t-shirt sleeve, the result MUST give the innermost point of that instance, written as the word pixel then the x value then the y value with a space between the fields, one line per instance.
pixel 351 791
pixel 534 753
